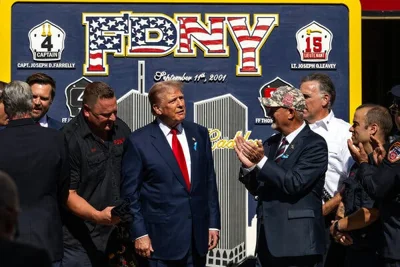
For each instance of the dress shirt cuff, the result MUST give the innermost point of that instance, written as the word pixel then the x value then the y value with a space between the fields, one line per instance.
pixel 140 237
pixel 262 162
pixel 259 165
pixel 214 229
pixel 246 171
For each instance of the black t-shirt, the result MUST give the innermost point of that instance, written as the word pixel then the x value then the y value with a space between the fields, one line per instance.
pixel 354 198
pixel 95 169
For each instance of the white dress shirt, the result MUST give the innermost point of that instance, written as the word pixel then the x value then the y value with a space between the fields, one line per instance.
pixel 336 133
pixel 43 121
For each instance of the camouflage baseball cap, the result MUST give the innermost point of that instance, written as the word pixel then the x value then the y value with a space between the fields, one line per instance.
pixel 285 96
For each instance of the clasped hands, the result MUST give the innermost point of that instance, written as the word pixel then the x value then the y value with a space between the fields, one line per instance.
pixel 360 155
pixel 340 237
pixel 249 153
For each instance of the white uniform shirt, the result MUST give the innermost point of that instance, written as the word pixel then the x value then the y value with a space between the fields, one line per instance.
pixel 336 133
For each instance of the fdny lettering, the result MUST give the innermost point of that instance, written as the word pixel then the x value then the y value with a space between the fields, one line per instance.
pixel 119 141
pixel 126 34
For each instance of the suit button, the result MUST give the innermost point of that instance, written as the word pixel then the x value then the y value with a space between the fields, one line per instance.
pixel 256 198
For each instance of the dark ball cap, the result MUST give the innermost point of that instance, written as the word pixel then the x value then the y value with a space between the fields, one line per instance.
pixel 396 91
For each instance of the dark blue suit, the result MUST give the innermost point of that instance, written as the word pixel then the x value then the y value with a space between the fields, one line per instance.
pixel 174 218
pixel 54 124
pixel 289 198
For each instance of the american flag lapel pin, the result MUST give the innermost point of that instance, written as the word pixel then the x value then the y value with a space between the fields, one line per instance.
pixel 195 144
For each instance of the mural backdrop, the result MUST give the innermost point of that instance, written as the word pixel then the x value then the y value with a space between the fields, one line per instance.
pixel 227 55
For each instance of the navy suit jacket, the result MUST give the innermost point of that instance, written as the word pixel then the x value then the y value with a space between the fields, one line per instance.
pixel 161 204
pixel 290 195
pixel 54 124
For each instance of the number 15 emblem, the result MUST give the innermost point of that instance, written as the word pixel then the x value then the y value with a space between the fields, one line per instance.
pixel 314 42
pixel 46 41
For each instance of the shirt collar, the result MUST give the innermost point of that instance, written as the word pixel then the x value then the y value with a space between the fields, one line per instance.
pixel 290 137
pixel 166 129
pixel 325 122
pixel 43 121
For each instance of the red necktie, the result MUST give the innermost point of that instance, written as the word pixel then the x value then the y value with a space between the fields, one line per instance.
pixel 180 157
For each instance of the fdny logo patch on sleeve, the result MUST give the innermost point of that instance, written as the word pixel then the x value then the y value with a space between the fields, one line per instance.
pixel 394 152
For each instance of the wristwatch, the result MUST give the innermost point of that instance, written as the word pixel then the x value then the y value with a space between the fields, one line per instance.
pixel 336 226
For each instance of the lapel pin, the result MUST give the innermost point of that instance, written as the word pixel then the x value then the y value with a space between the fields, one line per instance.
pixel 195 146
pixel 285 156
pixel 291 146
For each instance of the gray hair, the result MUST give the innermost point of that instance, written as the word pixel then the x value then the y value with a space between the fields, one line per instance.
pixel 326 85
pixel 17 99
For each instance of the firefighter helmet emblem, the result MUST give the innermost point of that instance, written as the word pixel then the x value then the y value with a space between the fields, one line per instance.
pixel 314 42
pixel 267 90
pixel 46 41
pixel 74 95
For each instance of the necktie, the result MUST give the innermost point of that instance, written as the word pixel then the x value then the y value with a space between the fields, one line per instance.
pixel 180 157
pixel 281 150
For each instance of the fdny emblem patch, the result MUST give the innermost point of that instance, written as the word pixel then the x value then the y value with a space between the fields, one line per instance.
pixel 394 152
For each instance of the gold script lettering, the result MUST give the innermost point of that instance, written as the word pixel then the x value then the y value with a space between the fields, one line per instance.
pixel 225 143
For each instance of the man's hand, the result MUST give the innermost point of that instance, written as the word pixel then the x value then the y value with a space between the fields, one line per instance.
pixel 143 246
pixel 379 151
pixel 239 152
pixel 213 238
pixel 254 152
pixel 358 153
pixel 105 217
pixel 343 239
